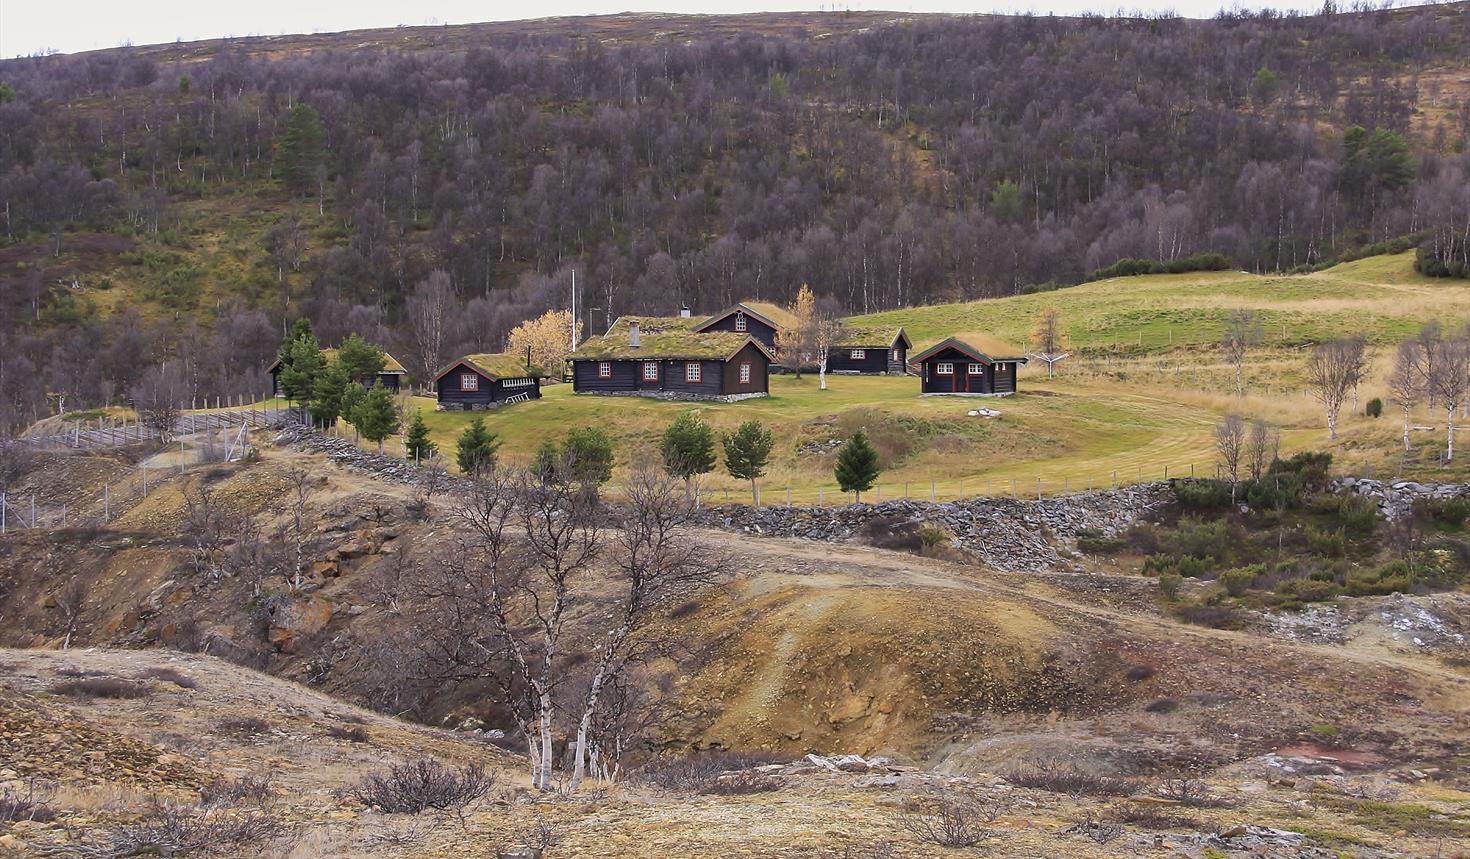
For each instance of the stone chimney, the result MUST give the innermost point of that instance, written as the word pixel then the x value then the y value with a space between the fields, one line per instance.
pixel 684 312
pixel 633 339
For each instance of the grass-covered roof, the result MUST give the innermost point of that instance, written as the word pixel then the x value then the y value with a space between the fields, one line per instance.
pixel 661 343
pixel 496 365
pixel 870 336
pixel 980 346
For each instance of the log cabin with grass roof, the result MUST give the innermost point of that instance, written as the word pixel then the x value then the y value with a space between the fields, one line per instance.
pixel 484 381
pixel 761 320
pixel 393 376
pixel 666 357
pixel 873 351
pixel 977 366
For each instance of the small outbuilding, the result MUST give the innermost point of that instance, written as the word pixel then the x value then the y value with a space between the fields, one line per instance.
pixel 872 351
pixel 393 376
pixel 667 357
pixel 487 380
pixel 978 366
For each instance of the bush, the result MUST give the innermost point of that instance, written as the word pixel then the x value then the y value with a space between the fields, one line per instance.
pixel 1129 267
pixel 1308 590
pixel 1311 468
pixel 1189 791
pixel 1213 616
pixel 18 805
pixel 1392 577
pixel 696 773
pixel 1374 408
pixel 243 726
pixel 1357 513
pixel 1447 513
pixel 101 687
pixel 172 830
pixel 169 675
pixel 224 790
pixel 350 733
pixel 1169 585
pixel 1271 492
pixel 1236 582
pixel 1161 705
pixel 1142 538
pixel 1071 781
pixel 417 786
pixel 955 821
pixel 1151 817
pixel 741 783
pixel 1094 542
pixel 1200 539
pixel 1201 494
pixel 1326 544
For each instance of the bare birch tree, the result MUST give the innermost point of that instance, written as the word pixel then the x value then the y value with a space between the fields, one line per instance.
pixel 1260 447
pixel 430 313
pixel 1242 332
pixel 829 333
pixel 1229 444
pixel 1450 384
pixel 1407 381
pixel 1333 368
pixel 1048 340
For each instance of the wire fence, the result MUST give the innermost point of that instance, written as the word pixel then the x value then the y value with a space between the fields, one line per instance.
pixel 212 439
pixel 108 432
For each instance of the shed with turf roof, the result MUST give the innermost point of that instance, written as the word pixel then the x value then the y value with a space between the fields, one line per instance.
pixel 486 380
pixel 978 366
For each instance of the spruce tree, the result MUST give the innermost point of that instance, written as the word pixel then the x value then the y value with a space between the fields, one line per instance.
pixel 298 374
pixel 326 395
pixel 377 417
pixel 353 396
pixel 589 452
pixel 361 360
pixel 299 153
pixel 476 448
pixel 688 448
pixel 857 465
pixel 747 452
pixel 548 458
pixel 417 443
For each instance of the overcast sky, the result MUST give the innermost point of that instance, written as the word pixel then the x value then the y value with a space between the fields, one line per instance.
pixel 31 26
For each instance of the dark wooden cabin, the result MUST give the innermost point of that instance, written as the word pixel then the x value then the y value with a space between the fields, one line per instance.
pixel 872 351
pixel 393 376
pixel 977 366
pixel 482 381
pixel 760 320
pixel 666 357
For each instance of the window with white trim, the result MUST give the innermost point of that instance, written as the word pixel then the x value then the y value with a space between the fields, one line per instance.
pixel 740 322
pixel 469 381
pixel 944 368
pixel 650 371
pixel 604 369
pixel 744 372
pixel 894 355
pixel 692 372
pixel 977 369
pixel 858 354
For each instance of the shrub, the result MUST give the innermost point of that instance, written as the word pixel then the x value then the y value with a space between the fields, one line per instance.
pixel 1071 781
pixel 243 726
pixel 18 805
pixel 740 783
pixel 1236 582
pixel 955 821
pixel 1169 585
pixel 1142 538
pixel 1200 539
pixel 1392 577
pixel 1139 673
pixel 1213 616
pixel 1447 513
pixel 1326 544
pixel 1374 408
pixel 101 687
pixel 1311 468
pixel 172 830
pixel 695 773
pixel 350 733
pixel 1358 514
pixel 1095 542
pixel 1201 494
pixel 1189 791
pixel 417 786
pixel 223 790
pixel 1161 705
pixel 1272 491
pixel 1151 817
pixel 1308 590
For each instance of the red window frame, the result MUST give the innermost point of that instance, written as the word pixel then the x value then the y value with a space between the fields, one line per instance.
pixel 469 381
pixel 604 369
pixel 693 372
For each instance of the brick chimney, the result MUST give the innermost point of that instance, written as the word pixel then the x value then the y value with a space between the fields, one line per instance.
pixel 633 339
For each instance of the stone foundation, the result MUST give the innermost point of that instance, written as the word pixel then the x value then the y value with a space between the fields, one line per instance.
pixel 678 396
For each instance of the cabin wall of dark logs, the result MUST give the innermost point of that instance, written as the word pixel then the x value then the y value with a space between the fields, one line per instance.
pixel 965 375
pixel 875 360
pixel 754 327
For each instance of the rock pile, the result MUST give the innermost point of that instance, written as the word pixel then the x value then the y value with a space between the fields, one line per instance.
pixel 346 454
pixel 1396 499
pixel 1006 533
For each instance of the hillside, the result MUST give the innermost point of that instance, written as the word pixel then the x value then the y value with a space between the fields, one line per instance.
pixel 965 678
pixel 887 161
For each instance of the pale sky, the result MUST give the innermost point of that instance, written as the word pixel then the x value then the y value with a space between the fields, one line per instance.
pixel 33 26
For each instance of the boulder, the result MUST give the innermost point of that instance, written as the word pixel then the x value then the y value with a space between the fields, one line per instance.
pixel 294 621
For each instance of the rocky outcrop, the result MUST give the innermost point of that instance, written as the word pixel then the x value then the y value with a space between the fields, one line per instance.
pixel 1006 533
pixel 1396 498
pixel 294 620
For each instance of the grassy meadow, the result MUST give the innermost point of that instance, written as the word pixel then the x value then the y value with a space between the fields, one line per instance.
pixel 1119 414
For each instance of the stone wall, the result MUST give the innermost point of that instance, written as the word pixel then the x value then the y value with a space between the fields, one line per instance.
pixel 1007 533
pixel 1396 498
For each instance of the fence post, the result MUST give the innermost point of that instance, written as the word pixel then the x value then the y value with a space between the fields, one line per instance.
pixel 1191 471
pixel 1038 489
pixel 962 487
pixel 905 490
pixel 1013 488
pixel 821 497
pixel 877 494
pixel 1166 473
pixel 4 510
pixel 106 502
pixel 1115 478
pixel 933 493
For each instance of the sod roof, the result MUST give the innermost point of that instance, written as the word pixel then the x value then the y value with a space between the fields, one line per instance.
pixel 982 347
pixel 671 343
pixel 390 364
pixel 495 365
pixel 871 336
pixel 772 314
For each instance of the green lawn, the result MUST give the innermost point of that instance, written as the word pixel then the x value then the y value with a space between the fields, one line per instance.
pixel 1381 296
